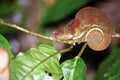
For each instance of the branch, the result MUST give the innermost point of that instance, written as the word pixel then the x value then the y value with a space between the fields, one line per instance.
pixel 116 35
pixel 30 32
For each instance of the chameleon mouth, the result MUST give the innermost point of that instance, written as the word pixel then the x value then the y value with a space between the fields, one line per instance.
pixel 64 37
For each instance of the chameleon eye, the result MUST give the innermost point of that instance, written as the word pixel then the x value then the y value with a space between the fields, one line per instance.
pixel 67 29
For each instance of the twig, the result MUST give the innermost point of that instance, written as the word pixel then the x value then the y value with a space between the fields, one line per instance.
pixel 82 50
pixel 30 32
pixel 116 35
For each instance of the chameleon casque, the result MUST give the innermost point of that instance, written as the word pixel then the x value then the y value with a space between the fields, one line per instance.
pixel 89 25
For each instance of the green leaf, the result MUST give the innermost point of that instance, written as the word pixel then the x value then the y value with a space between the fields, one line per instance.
pixel 110 68
pixel 74 69
pixel 4 43
pixel 61 9
pixel 29 65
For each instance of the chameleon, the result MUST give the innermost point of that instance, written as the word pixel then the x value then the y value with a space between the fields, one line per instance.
pixel 89 25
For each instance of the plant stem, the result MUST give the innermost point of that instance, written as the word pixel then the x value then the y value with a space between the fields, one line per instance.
pixel 30 32
pixel 82 50
pixel 58 52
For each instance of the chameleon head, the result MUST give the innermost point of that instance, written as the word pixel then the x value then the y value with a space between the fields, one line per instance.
pixel 64 32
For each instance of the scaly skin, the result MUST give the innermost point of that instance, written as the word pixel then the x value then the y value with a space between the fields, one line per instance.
pixel 88 19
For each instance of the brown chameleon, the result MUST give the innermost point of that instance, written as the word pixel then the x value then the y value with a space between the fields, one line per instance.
pixel 89 25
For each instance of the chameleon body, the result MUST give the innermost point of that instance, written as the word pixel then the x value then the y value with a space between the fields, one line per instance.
pixel 89 25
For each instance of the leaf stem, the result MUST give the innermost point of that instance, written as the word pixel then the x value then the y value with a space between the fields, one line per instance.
pixel 30 32
pixel 82 50
pixel 74 67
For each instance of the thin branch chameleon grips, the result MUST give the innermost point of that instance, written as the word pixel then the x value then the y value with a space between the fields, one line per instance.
pixel 29 32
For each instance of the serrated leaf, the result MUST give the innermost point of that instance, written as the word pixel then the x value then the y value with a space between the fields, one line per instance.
pixel 110 68
pixel 74 69
pixel 4 43
pixel 29 65
pixel 61 9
